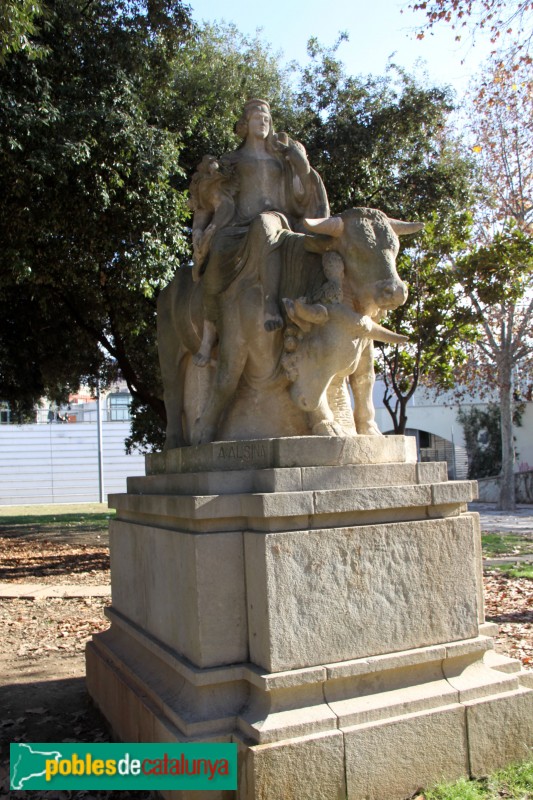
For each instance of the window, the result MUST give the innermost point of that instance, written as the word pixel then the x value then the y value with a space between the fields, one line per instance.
pixel 119 406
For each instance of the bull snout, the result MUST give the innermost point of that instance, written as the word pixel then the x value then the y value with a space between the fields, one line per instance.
pixel 390 294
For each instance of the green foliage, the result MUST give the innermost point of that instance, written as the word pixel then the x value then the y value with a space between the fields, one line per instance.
pixel 463 789
pixel 482 431
pixel 500 271
pixel 17 26
pixel 147 431
pixel 497 544
pixel 210 80
pixel 515 782
pixel 516 570
pixel 90 226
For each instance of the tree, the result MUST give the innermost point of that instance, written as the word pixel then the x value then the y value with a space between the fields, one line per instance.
pixel 89 224
pixel 508 23
pixel 437 324
pixel 498 280
pixel 18 26
pixel 482 431
pixel 496 275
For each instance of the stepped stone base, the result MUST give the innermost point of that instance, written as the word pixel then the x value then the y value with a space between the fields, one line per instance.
pixel 318 601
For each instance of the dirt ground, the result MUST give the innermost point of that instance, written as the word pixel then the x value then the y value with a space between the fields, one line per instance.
pixel 42 690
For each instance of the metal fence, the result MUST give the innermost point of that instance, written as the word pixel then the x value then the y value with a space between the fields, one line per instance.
pixel 58 463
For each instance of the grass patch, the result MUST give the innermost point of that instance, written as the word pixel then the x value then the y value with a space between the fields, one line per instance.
pixel 513 783
pixel 500 544
pixel 55 520
pixel 515 570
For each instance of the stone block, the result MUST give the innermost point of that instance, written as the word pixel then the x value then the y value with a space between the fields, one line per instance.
pixel 187 590
pixel 500 730
pixel 371 499
pixel 431 471
pixel 295 769
pixel 454 492
pixel 291 451
pixel 310 594
pixel 357 475
pixel 398 757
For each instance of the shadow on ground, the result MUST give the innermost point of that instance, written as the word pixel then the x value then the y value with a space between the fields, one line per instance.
pixel 51 711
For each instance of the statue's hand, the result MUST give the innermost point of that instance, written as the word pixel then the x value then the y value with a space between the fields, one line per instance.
pixel 297 157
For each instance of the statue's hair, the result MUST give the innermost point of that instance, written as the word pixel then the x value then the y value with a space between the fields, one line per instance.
pixel 241 126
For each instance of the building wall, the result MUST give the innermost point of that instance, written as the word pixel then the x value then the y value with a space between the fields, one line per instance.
pixel 59 463
pixel 426 413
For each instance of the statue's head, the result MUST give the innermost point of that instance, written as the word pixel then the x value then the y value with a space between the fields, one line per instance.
pixel 250 107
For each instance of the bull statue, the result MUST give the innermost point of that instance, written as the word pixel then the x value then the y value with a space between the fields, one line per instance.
pixel 283 302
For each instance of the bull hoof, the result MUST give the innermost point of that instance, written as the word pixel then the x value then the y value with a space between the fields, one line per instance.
pixel 202 434
pixel 369 429
pixel 273 323
pixel 326 428
pixel 200 359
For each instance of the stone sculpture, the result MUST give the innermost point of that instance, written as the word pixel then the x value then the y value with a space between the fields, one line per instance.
pixel 291 294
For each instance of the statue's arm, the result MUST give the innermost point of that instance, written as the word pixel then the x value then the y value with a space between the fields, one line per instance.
pixel 295 155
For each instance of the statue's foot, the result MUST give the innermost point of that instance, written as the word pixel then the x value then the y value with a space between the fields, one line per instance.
pixel 327 427
pixel 202 433
pixel 273 322
pixel 368 429
pixel 201 359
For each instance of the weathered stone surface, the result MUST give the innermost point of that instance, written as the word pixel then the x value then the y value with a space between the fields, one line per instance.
pixel 394 759
pixel 310 594
pixel 286 479
pixel 298 451
pixel 368 663
pixel 187 590
pixel 500 730
pixel 307 767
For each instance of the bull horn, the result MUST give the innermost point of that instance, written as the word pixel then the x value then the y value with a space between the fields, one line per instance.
pixel 401 228
pixel 331 226
pixel 367 328
pixel 381 334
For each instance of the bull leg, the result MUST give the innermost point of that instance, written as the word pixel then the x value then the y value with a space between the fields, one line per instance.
pixel 230 365
pixel 322 421
pixel 362 383
pixel 173 370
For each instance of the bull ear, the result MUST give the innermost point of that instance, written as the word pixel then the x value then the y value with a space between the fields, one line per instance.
pixel 401 228
pixel 331 226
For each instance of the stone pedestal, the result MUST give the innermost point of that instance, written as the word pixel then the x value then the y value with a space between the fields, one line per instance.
pixel 317 600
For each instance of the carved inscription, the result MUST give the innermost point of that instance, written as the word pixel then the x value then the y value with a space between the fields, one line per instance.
pixel 242 452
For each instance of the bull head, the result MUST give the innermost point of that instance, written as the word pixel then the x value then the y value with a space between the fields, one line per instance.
pixel 334 226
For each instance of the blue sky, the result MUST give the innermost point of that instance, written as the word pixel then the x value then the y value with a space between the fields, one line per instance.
pixel 376 29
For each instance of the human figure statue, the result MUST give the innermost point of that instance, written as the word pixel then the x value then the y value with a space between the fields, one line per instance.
pixel 266 184
pixel 263 239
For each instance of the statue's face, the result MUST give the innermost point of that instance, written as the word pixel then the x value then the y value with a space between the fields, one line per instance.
pixel 259 123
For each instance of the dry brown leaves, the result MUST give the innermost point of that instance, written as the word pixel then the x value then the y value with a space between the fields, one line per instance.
pixel 27 561
pixel 31 628
pixel 509 603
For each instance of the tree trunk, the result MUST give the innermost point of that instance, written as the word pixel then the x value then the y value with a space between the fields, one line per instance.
pixel 507 488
